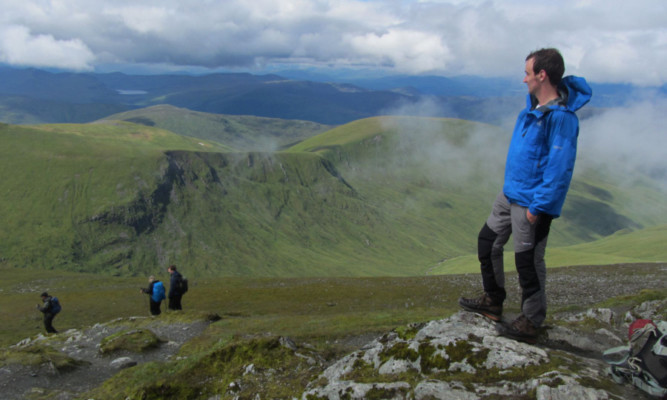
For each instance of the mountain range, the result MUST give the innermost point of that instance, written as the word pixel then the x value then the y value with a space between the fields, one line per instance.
pixel 38 96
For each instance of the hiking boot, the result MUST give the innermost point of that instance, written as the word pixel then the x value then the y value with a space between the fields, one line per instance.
pixel 521 329
pixel 483 305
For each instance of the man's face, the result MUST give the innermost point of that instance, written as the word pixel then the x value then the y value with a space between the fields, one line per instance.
pixel 531 79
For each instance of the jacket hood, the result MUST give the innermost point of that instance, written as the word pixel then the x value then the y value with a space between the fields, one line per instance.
pixel 574 94
pixel 578 92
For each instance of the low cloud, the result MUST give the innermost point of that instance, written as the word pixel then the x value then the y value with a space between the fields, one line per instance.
pixel 445 151
pixel 631 139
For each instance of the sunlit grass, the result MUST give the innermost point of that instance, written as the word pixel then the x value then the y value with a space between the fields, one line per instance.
pixel 642 246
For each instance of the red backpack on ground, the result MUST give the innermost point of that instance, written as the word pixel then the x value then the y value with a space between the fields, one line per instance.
pixel 643 361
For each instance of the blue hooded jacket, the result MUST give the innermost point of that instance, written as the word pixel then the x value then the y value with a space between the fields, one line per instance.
pixel 541 156
pixel 157 293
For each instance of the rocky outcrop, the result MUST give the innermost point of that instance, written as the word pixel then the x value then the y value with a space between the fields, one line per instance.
pixel 459 357
pixel 18 379
pixel 462 357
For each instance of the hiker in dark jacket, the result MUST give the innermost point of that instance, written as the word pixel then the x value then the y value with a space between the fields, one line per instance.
pixel 175 289
pixel 48 310
pixel 155 291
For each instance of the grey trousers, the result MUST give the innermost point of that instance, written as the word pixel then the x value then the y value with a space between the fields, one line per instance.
pixel 530 241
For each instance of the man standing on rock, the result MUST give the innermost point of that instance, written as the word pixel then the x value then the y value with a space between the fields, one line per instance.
pixel 175 293
pixel 538 170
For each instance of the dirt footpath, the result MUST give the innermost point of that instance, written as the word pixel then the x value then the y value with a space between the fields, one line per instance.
pixel 19 381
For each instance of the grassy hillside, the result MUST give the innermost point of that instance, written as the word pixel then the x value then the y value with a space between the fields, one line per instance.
pixel 57 179
pixel 622 247
pixel 242 132
pixel 383 196
pixel 447 173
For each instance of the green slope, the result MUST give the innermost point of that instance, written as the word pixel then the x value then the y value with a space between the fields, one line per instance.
pixel 623 247
pixel 242 132
pixel 458 165
pixel 438 177
pixel 381 196
pixel 110 198
pixel 418 172
pixel 55 178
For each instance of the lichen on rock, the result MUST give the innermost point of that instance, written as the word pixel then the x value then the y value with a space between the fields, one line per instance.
pixel 458 357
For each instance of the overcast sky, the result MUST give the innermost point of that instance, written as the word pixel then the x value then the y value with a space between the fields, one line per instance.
pixel 602 40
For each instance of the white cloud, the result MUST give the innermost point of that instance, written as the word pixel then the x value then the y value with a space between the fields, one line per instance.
pixel 19 47
pixel 603 40
pixel 407 50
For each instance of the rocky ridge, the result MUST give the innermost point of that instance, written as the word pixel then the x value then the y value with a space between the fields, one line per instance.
pixel 462 357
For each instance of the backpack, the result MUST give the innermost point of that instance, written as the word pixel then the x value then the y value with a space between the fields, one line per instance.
pixel 183 286
pixel 158 292
pixel 55 305
pixel 643 362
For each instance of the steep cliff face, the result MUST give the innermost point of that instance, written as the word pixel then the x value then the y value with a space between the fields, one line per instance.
pixel 208 207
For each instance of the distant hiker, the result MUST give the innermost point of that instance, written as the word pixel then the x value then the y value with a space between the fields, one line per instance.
pixel 538 171
pixel 50 307
pixel 155 291
pixel 175 289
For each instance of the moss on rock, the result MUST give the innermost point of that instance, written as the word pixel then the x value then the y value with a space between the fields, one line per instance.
pixel 36 355
pixel 135 340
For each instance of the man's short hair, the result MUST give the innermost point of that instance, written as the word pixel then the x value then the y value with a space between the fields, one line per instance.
pixel 551 61
pixel 172 268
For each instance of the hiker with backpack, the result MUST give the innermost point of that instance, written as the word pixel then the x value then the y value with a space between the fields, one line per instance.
pixel 155 291
pixel 177 288
pixel 51 307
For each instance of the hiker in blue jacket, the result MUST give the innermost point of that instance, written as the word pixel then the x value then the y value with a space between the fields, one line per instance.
pixel 49 310
pixel 155 291
pixel 538 170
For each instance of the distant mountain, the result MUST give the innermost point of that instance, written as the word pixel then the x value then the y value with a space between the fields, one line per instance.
pixel 467 86
pixel 605 94
pixel 238 94
pixel 36 96
pixel 379 196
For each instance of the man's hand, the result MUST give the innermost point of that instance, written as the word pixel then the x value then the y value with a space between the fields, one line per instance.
pixel 531 218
